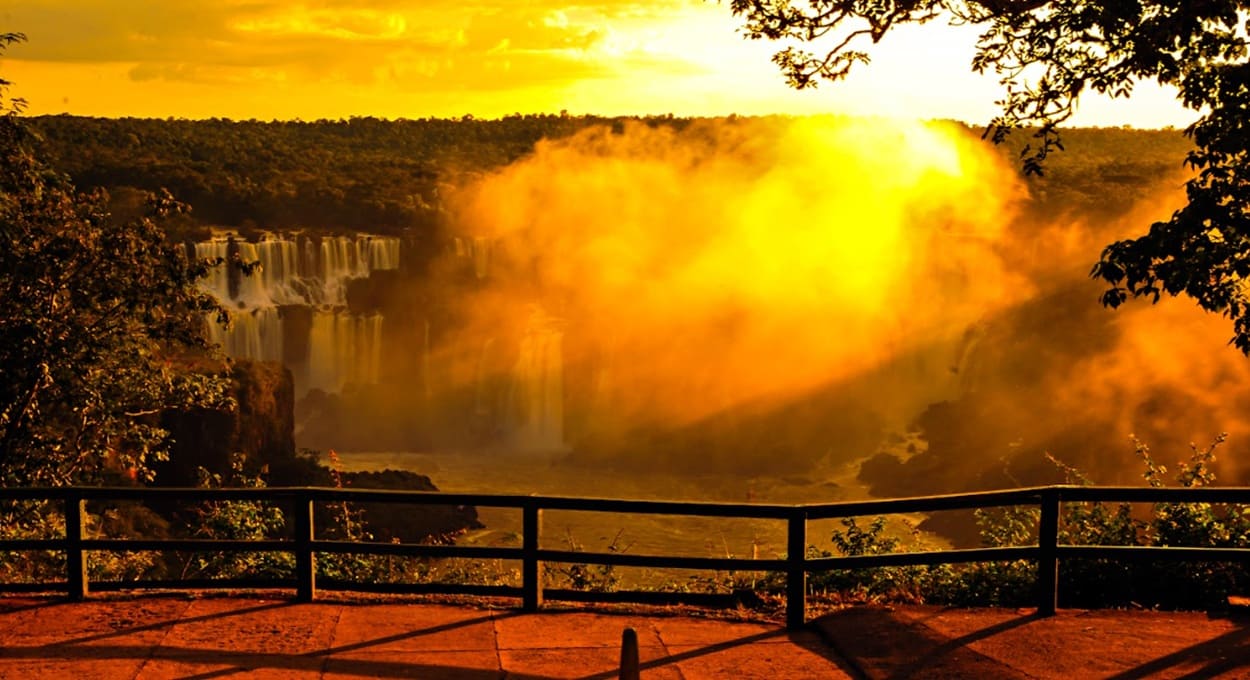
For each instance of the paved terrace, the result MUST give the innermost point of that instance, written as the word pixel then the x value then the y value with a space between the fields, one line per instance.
pixel 222 637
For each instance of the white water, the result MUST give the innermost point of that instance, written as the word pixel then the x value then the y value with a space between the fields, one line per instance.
pixel 343 348
pixel 256 334
pixel 478 251
pixel 536 398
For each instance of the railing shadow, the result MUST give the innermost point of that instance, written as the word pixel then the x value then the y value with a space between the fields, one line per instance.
pixel 122 632
pixel 1223 654
pixel 242 662
pixel 43 603
pixel 877 642
pixel 671 659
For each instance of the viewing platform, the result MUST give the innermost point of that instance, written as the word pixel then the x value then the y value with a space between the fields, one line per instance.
pixel 182 636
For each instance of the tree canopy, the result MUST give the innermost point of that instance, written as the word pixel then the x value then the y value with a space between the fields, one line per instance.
pixel 1048 53
pixel 97 319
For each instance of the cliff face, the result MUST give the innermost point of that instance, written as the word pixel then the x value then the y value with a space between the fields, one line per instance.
pixel 262 428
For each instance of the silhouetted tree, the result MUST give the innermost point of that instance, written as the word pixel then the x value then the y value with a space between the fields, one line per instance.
pixel 97 318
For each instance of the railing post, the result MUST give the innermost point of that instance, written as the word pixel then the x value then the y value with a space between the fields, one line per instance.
pixel 629 655
pixel 796 570
pixel 531 568
pixel 75 556
pixel 305 561
pixel 1048 554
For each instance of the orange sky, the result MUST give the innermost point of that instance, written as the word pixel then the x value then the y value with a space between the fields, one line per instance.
pixel 414 58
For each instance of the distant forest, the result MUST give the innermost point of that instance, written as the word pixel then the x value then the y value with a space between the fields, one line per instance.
pixel 382 176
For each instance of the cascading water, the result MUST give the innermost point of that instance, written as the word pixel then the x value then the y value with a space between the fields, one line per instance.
pixel 342 347
pixel 255 334
pixel 536 399
pixel 477 250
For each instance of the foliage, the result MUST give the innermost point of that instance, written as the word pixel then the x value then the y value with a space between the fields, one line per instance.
pixel 864 585
pixel 1048 53
pixel 597 578
pixel 1083 582
pixel 236 521
pixel 21 520
pixel 346 523
pixel 746 586
pixel 362 173
pixel 96 315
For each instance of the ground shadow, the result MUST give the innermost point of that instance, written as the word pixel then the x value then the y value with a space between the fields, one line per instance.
pixel 878 643
pixel 236 662
pixel 726 645
pixel 1219 655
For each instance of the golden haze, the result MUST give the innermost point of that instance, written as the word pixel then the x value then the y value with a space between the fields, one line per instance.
pixel 748 261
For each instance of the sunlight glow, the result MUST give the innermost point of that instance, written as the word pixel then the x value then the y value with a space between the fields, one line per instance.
pixel 403 58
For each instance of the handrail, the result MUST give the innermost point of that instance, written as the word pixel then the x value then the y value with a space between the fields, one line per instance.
pixel 796 565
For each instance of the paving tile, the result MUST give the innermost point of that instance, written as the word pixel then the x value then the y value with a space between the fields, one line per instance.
pixel 255 626
pixel 405 628
pixel 9 604
pixel 684 631
pixel 599 663
pixel 743 662
pixel 186 665
pixel 95 669
pixel 571 629
pixel 92 622
pixel 451 665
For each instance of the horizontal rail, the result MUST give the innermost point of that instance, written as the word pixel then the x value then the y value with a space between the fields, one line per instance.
pixel 928 558
pixel 304 546
pixel 661 561
pixel 18 544
pixel 960 501
pixel 1154 552
pixel 963 501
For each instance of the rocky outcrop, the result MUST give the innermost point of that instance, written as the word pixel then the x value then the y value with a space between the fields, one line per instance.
pixel 261 428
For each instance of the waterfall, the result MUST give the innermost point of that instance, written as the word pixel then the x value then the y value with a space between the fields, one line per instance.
pixel 536 398
pixel 343 348
pixel 478 251
pixel 254 334
pixel 383 253
pixel 218 280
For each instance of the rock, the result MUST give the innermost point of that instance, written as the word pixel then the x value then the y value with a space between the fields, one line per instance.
pixel 261 428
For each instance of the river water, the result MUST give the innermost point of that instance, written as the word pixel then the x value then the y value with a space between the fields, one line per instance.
pixel 508 473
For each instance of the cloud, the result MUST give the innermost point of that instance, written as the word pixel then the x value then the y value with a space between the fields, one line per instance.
pixel 414 44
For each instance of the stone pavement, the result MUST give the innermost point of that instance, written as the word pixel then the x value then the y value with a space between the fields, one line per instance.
pixel 246 637
pixel 219 637
pixel 941 643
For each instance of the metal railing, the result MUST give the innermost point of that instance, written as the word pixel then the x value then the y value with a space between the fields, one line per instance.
pixel 796 564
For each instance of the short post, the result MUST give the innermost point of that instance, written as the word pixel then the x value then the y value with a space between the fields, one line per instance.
pixel 1048 554
pixel 796 571
pixel 629 655
pixel 305 561
pixel 75 556
pixel 531 568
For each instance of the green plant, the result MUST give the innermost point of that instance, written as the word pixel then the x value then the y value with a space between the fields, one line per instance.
pixel 734 582
pixel 20 520
pixel 235 520
pixel 870 584
pixel 598 578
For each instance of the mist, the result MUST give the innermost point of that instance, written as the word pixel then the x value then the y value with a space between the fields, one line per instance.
pixel 791 296
pixel 739 264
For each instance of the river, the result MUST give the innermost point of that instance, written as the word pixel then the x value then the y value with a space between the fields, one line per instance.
pixel 508 473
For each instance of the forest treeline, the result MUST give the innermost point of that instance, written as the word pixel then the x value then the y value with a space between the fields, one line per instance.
pixel 391 176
